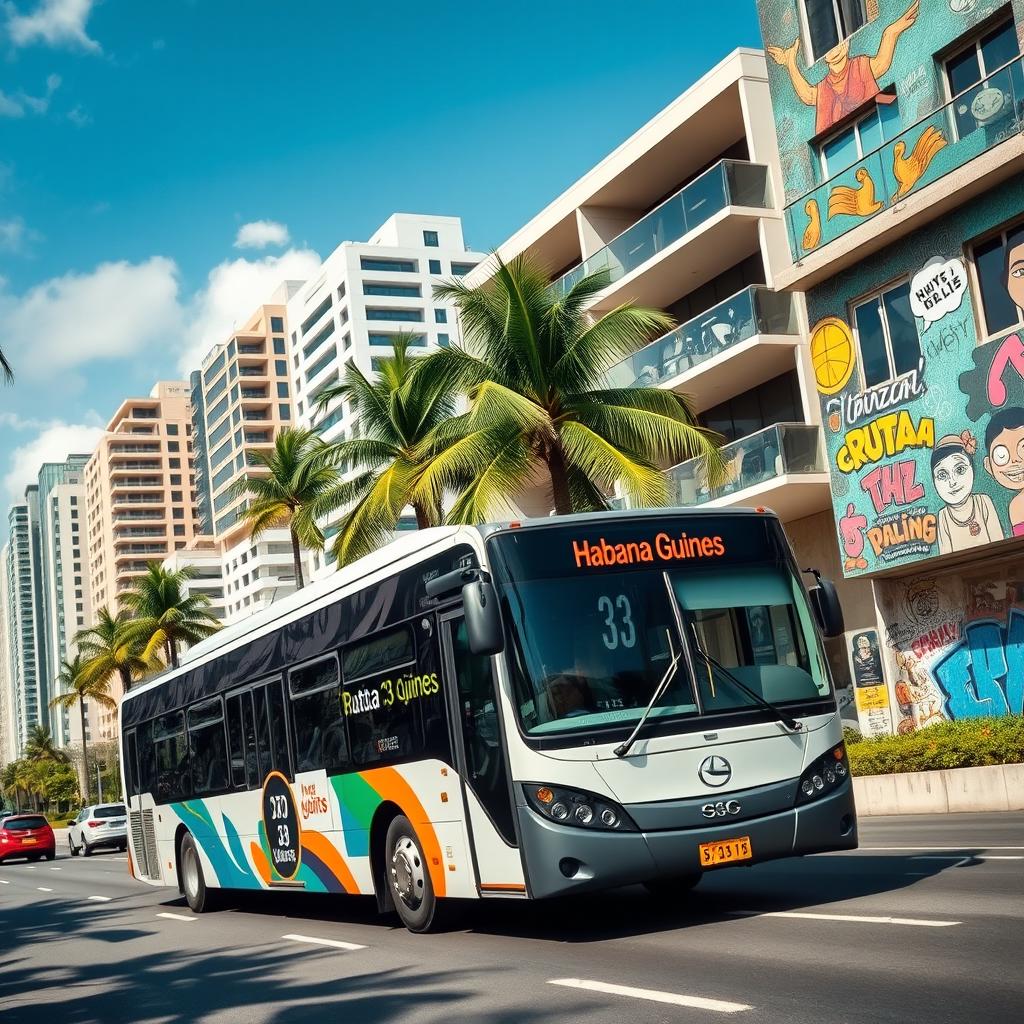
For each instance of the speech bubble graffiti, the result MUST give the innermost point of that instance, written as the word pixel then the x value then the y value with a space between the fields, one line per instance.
pixel 937 289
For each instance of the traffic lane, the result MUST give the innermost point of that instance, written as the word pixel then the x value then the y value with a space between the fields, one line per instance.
pixel 990 831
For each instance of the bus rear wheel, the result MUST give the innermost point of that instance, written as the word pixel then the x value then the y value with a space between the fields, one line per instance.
pixel 408 877
pixel 193 883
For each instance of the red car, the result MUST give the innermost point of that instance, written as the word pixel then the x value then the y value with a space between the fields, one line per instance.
pixel 26 835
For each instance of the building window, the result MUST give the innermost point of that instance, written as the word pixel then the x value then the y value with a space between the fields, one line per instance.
pixel 430 239
pixel 381 313
pixel 444 341
pixel 175 479
pixel 398 266
pixel 346 342
pixel 343 316
pixel 440 316
pixel 277 324
pixel 172 429
pixel 179 531
pixel 283 412
pixel 174 463
pixel 860 138
pixel 341 290
pixel 177 513
pixel 830 21
pixel 969 73
pixel 282 389
pixel 462 269
pixel 999 265
pixel 281 367
pixel 73 499
pixel 176 496
pixel 278 346
pixel 435 266
pixel 74 513
pixel 887 334
pixel 401 291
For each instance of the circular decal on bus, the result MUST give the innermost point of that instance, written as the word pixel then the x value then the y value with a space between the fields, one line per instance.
pixel 281 822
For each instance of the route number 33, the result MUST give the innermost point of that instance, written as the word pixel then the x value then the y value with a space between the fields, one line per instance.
pixel 618 621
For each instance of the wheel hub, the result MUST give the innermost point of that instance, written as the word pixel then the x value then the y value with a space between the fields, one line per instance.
pixel 407 872
pixel 190 873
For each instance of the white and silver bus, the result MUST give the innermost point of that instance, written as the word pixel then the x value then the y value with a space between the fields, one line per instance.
pixel 515 711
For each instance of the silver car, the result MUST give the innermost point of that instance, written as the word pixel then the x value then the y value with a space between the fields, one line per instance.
pixel 98 826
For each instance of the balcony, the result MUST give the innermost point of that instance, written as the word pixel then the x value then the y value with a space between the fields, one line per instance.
pixel 127 467
pixel 133 550
pixel 124 517
pixel 127 532
pixel 745 340
pixel 255 417
pixel 252 371
pixel 781 467
pixel 888 178
pixel 727 186
pixel 252 350
pixel 263 438
pixel 133 449
pixel 254 393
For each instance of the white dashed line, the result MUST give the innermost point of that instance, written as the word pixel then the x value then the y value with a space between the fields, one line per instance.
pixel 178 917
pixel 42 888
pixel 335 943
pixel 935 849
pixel 55 869
pixel 99 899
pixel 3 881
pixel 652 995
pixel 965 858
pixel 856 918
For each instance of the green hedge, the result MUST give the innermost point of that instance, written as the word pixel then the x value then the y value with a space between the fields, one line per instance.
pixel 966 744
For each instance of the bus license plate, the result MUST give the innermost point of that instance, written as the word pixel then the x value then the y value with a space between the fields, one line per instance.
pixel 712 854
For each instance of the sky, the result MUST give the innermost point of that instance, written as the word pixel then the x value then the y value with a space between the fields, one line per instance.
pixel 164 165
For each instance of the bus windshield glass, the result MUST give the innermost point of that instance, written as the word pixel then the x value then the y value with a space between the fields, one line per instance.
pixel 595 628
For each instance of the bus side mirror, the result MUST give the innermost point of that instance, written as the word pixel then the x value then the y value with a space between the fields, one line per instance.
pixel 483 622
pixel 827 609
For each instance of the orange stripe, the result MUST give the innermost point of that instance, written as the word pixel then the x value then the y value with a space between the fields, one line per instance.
pixel 391 786
pixel 259 859
pixel 503 886
pixel 320 846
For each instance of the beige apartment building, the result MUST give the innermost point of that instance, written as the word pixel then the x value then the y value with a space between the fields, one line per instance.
pixel 686 216
pixel 140 496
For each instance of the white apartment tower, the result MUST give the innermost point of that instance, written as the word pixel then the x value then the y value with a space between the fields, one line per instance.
pixel 8 720
pixel 365 294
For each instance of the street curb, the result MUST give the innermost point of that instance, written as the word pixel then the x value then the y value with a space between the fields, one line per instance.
pixel 990 788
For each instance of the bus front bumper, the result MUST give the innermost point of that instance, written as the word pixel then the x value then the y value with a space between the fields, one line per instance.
pixel 561 859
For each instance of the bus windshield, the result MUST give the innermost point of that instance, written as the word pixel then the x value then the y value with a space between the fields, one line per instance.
pixel 588 648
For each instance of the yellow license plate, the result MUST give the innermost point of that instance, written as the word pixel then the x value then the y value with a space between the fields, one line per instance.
pixel 726 851
pixel 27 841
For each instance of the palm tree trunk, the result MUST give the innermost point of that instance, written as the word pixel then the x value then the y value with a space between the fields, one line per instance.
pixel 172 650
pixel 297 558
pixel 422 516
pixel 126 677
pixel 559 480
pixel 85 753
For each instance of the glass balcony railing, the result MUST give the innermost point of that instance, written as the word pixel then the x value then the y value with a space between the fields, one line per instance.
pixel 728 183
pixel 779 450
pixel 755 310
pixel 950 137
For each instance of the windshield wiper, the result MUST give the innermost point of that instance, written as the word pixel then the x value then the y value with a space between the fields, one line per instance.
pixel 787 720
pixel 659 691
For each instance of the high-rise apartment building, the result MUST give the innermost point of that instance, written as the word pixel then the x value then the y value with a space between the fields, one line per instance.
pixel 140 498
pixel 901 136
pixel 365 293
pixel 64 576
pixel 686 216
pixel 241 400
pixel 8 718
pixel 204 558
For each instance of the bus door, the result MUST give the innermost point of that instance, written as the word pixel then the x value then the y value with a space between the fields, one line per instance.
pixel 482 762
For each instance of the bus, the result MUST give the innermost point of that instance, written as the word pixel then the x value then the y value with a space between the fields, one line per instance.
pixel 509 711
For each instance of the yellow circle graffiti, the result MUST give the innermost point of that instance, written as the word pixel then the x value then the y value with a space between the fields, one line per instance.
pixel 832 354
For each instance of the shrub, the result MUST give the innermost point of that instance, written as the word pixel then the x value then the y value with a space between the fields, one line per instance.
pixel 969 743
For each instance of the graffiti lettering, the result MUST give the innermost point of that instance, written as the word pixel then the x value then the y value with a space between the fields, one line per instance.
pixel 947 338
pixel 984 673
pixel 885 437
pixel 885 396
pixel 1011 353
pixel 893 484
pixel 935 639
pixel 910 533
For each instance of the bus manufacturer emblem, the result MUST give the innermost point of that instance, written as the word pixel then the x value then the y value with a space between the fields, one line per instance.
pixel 714 771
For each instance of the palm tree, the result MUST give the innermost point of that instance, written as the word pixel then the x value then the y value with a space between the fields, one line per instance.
pixel 39 745
pixel 77 687
pixel 6 369
pixel 163 617
pixel 299 473
pixel 109 648
pixel 397 417
pixel 534 371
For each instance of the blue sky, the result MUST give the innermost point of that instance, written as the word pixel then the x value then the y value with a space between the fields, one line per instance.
pixel 137 138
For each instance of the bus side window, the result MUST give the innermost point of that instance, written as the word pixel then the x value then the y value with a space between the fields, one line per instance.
pixel 271 729
pixel 318 726
pixel 131 767
pixel 206 747
pixel 236 739
pixel 172 780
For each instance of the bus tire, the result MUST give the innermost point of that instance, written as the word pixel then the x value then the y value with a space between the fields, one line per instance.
pixel 408 878
pixel 672 889
pixel 197 894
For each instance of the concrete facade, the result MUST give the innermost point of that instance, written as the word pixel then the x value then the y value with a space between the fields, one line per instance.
pixel 902 153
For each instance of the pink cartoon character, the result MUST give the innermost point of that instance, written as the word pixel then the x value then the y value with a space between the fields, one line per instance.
pixel 851 528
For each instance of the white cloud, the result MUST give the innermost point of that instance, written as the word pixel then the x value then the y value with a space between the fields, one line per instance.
pixel 12 234
pixel 54 443
pixel 10 107
pixel 115 311
pixel 258 234
pixel 233 290
pixel 53 22
pixel 16 106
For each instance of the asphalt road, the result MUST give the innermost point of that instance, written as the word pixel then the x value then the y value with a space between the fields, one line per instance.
pixel 924 923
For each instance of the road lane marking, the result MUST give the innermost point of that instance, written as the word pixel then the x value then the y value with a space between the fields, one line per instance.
pixel 652 995
pixel 965 858
pixel 178 917
pixel 858 918
pixel 99 899
pixel 42 888
pixel 3 881
pixel 938 849
pixel 55 869
pixel 335 943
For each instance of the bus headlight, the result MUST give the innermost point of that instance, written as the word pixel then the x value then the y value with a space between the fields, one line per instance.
pixel 576 807
pixel 823 775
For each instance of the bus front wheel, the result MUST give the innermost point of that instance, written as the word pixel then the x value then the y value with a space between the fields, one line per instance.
pixel 408 877
pixel 193 882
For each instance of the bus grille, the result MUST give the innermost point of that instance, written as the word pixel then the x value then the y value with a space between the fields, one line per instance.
pixel 138 848
pixel 149 833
